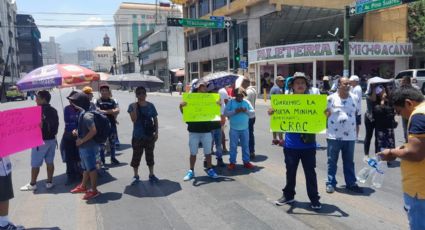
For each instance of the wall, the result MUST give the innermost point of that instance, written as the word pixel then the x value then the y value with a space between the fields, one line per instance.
pixel 175 48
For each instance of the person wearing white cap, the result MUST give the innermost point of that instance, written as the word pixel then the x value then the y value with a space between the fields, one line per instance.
pixel 357 90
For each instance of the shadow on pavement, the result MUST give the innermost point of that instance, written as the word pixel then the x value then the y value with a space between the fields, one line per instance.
pixel 117 165
pixel 327 210
pixel 124 147
pixel 239 170
pixel 203 180
pixel 104 198
pixel 366 191
pixel 259 158
pixel 146 189
pixel 59 185
pixel 47 228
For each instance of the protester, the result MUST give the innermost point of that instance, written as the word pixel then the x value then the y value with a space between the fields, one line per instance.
pixel 357 90
pixel 369 121
pixel 409 103
pixel 89 91
pixel 251 93
pixel 108 106
pixel 406 81
pixel 277 89
pixel 199 132
pixel 68 145
pixel 224 98
pixel 6 194
pixel 326 87
pixel 341 111
pixel 239 111
pixel 144 116
pixel 88 147
pixel 46 152
pixel 299 147
pixel 180 87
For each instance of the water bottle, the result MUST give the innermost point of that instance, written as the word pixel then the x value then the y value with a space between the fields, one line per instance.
pixel 364 174
pixel 378 178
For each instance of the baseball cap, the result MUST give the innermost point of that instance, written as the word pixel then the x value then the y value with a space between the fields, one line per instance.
pixel 81 100
pixel 325 78
pixel 354 78
pixel 70 95
pixel 280 78
pixel 104 86
pixel 88 90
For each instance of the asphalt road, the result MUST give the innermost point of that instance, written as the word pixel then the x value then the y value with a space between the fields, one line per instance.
pixel 242 199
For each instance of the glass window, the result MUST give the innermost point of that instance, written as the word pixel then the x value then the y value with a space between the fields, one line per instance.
pixel 204 7
pixel 192 11
pixel 204 40
pixel 194 67
pixel 193 43
pixel 218 4
pixel 219 36
pixel 420 73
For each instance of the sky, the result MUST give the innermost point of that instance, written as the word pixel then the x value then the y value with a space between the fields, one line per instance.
pixel 45 12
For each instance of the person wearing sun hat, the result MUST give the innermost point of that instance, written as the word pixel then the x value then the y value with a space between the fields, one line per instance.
pixel 89 91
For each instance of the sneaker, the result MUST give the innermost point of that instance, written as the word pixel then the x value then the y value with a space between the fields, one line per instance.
pixel 330 188
pixel 355 189
pixel 211 173
pixel 29 187
pixel 316 205
pixel 90 194
pixel 79 189
pixel 252 156
pixel 282 201
pixel 11 226
pixel 115 161
pixel 248 165
pixel 135 180
pixel 231 166
pixel 49 185
pixel 189 175
pixel 220 162
pixel 153 179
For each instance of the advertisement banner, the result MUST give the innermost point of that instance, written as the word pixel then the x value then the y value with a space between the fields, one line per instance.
pixel 298 113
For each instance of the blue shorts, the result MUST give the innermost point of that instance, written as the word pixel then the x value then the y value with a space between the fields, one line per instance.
pixel 88 158
pixel 44 152
pixel 204 138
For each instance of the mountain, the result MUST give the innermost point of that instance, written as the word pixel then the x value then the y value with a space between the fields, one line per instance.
pixel 88 38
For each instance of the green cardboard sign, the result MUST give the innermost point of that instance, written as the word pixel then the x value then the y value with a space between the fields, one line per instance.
pixel 201 107
pixel 298 113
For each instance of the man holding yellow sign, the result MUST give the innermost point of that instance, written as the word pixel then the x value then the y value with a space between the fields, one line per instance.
pixel 200 110
pixel 300 116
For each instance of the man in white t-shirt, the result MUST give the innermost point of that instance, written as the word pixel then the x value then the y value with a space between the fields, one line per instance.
pixel 357 90
pixel 224 98
pixel 342 107
pixel 6 193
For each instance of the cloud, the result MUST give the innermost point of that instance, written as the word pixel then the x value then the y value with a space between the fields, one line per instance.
pixel 93 21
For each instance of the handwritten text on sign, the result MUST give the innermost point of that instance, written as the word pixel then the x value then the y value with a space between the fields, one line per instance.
pixel 298 113
pixel 201 107
pixel 19 130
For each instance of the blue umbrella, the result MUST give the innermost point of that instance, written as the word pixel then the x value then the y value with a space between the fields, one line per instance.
pixel 219 80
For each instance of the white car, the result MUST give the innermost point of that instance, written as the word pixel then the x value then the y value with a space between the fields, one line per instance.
pixel 417 76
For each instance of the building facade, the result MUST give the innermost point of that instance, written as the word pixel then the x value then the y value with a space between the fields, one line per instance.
pixel 103 57
pixel 266 25
pixel 85 58
pixel 161 52
pixel 8 39
pixel 30 52
pixel 51 52
pixel 133 20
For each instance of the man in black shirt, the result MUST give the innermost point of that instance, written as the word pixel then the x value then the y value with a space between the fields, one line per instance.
pixel 108 106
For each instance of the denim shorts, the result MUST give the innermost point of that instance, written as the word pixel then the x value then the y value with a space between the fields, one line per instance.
pixel 88 158
pixel 204 138
pixel 44 152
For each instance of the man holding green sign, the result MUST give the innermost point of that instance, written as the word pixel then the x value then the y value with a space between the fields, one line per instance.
pixel 200 110
pixel 300 117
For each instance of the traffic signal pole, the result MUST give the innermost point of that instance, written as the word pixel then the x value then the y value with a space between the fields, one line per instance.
pixel 346 41
pixel 235 45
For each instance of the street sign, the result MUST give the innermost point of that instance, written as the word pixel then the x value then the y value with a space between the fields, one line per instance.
pixel 243 64
pixel 370 5
pixel 217 18
pixel 200 23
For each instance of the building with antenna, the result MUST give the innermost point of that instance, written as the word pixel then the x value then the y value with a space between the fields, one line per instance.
pixel 133 20
pixel 103 56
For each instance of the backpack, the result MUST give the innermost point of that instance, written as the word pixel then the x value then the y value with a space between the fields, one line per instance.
pixel 50 122
pixel 103 127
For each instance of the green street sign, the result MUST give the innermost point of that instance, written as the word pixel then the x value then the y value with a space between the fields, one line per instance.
pixel 200 23
pixel 371 5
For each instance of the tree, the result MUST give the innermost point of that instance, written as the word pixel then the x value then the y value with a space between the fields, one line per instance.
pixel 416 23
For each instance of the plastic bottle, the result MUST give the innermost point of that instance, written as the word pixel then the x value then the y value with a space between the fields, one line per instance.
pixel 378 178
pixel 368 171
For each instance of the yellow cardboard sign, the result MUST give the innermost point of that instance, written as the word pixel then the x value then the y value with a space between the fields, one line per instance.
pixel 201 107
pixel 298 113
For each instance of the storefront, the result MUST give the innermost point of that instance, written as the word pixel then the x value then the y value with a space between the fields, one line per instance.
pixel 320 59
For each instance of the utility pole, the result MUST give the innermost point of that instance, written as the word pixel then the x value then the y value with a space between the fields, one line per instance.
pixel 128 55
pixel 235 45
pixel 346 41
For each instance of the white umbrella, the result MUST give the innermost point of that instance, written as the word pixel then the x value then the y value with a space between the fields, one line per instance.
pixel 376 80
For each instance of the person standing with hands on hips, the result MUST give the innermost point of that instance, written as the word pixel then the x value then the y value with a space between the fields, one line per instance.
pixel 144 116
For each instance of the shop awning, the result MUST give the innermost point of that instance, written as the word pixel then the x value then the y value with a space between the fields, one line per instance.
pixel 178 72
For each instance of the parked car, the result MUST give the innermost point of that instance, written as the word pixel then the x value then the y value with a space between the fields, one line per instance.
pixel 417 76
pixel 13 93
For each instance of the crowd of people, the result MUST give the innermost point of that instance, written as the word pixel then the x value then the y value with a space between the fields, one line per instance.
pixel 84 154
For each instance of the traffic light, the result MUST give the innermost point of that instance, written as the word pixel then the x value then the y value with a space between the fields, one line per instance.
pixel 237 54
pixel 340 46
